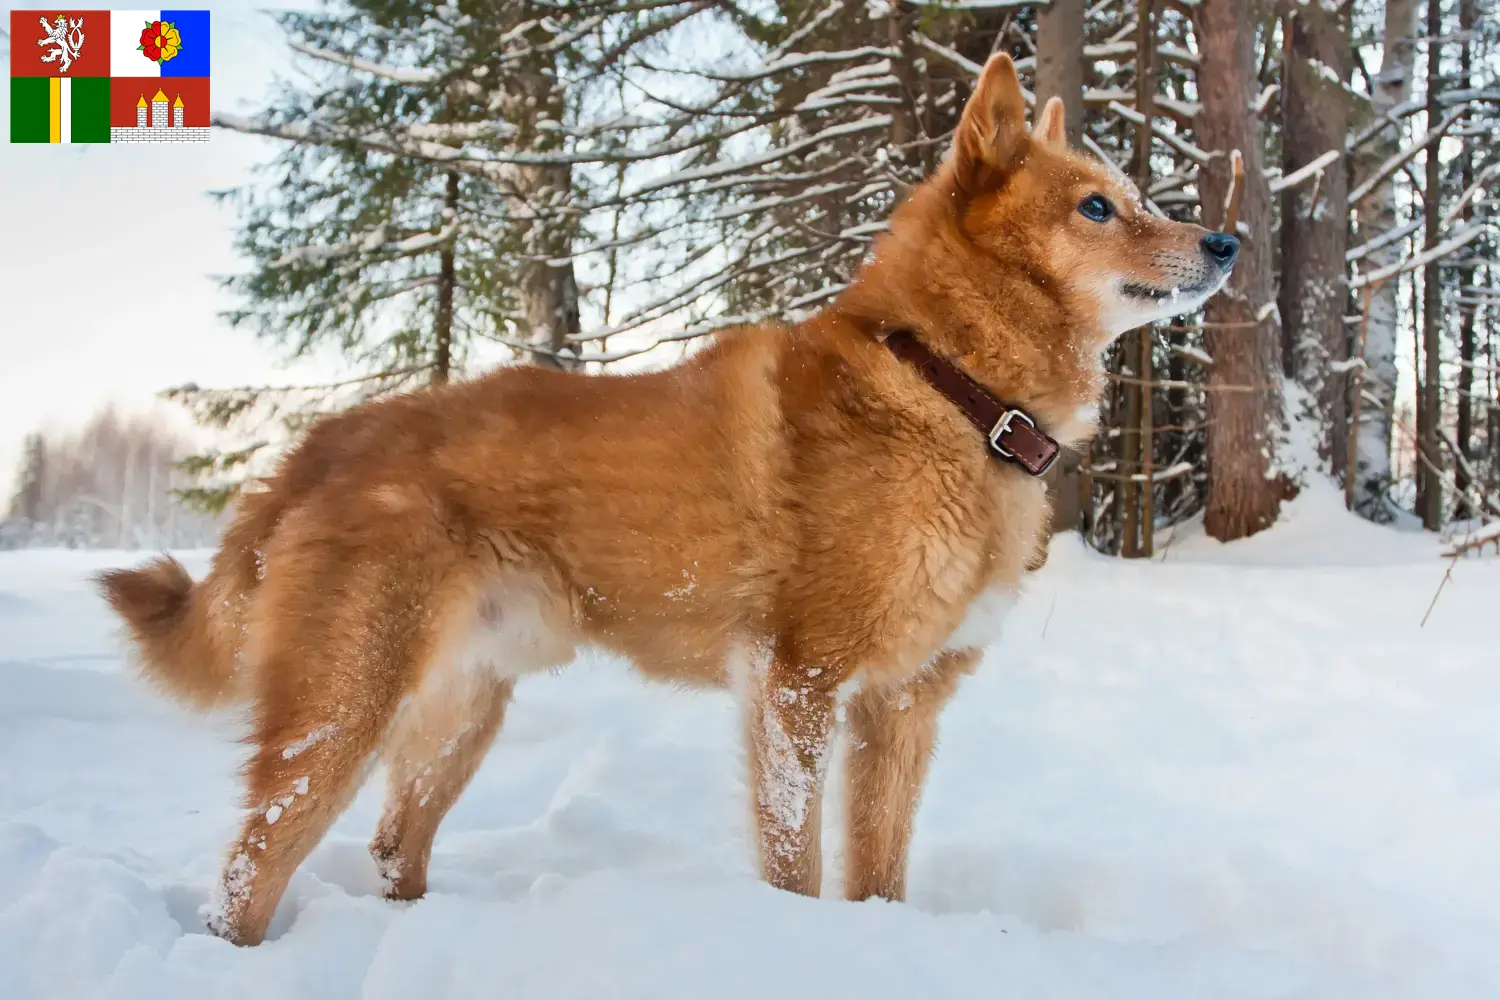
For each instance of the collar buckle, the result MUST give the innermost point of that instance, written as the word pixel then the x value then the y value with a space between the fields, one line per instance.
pixel 1002 427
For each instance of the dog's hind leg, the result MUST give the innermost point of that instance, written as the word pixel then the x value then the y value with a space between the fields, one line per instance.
pixel 332 682
pixel 518 621
pixel 892 732
pixel 308 763
pixel 437 746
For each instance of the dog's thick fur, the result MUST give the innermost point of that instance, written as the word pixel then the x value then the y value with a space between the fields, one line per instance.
pixel 791 510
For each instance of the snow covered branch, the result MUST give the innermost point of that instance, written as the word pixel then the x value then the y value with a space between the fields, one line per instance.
pixel 396 73
pixel 1457 241
pixel 1305 172
pixel 1176 142
pixel 1400 157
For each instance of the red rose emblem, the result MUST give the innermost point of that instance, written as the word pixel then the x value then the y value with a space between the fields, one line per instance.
pixel 151 41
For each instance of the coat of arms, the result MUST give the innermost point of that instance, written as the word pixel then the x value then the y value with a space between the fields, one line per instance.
pixel 65 39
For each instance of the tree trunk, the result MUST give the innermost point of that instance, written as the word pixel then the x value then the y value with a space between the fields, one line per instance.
pixel 1492 433
pixel 1415 303
pixel 1059 60
pixel 1465 429
pixel 1430 408
pixel 1128 455
pixel 1135 441
pixel 442 327
pixel 1377 214
pixel 898 37
pixel 548 293
pixel 1244 488
pixel 1059 73
pixel 1315 218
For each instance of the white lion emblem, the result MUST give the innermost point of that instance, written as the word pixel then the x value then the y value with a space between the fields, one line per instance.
pixel 66 38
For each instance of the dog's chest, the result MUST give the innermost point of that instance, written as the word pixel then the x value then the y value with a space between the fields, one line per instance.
pixel 984 619
pixel 984 565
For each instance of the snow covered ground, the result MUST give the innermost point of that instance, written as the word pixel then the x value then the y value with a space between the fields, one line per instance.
pixel 1239 771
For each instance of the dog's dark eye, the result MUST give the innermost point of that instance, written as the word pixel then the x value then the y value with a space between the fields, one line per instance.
pixel 1096 207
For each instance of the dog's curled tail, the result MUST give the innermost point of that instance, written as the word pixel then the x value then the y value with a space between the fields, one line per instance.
pixel 167 616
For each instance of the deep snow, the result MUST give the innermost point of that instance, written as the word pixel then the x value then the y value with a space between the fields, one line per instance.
pixel 1239 771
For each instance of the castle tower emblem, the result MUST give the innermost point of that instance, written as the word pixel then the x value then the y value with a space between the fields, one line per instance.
pixel 158 119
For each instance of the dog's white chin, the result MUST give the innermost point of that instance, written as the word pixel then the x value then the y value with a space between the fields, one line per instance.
pixel 1120 312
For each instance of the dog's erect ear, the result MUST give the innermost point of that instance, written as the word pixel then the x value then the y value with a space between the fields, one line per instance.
pixel 992 133
pixel 1051 128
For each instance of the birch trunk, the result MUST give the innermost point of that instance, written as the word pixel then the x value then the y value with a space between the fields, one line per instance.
pixel 1377 213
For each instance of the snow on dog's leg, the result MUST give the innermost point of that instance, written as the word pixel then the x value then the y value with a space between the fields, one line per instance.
pixel 429 762
pixel 790 714
pixel 892 732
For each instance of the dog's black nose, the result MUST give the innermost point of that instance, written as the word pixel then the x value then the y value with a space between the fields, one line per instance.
pixel 1222 247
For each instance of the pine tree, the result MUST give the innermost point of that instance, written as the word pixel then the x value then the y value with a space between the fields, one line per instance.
pixel 442 186
pixel 402 264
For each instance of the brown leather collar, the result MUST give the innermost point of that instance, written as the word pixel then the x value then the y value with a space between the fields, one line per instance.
pixel 1010 433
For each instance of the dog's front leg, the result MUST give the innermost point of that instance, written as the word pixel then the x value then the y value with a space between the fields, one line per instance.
pixel 790 719
pixel 892 731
